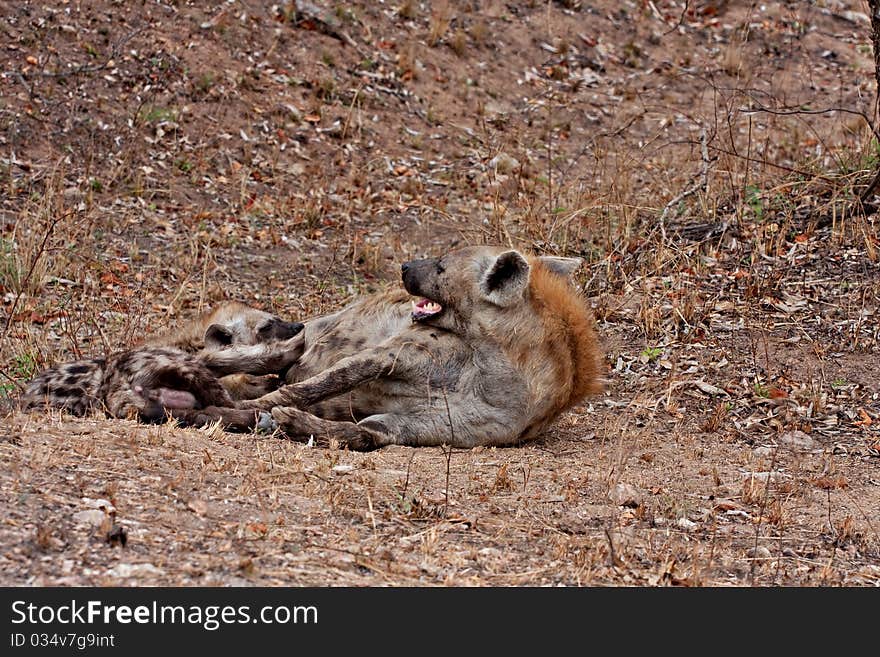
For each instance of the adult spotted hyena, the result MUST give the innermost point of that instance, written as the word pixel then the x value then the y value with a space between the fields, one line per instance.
pixel 495 348
pixel 176 374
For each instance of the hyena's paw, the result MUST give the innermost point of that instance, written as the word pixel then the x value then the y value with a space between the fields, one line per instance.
pixel 360 442
pixel 253 405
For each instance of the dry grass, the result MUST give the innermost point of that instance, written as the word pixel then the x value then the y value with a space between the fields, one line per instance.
pixel 441 17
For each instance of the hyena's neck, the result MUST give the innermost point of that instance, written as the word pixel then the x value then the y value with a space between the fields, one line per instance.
pixel 550 339
pixel 569 326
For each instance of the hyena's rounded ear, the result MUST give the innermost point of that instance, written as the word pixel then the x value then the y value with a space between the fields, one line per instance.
pixel 506 280
pixel 217 336
pixel 565 267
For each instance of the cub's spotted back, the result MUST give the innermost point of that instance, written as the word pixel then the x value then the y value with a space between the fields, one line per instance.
pixel 72 387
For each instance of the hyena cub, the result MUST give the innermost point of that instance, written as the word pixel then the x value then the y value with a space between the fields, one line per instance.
pixel 231 324
pixel 176 374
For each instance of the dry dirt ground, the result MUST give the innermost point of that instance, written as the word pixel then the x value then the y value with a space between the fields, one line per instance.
pixel 709 160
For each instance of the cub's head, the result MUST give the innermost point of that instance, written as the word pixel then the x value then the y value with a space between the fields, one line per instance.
pixel 473 282
pixel 234 323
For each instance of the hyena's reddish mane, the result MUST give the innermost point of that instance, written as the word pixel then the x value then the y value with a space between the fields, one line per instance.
pixel 567 321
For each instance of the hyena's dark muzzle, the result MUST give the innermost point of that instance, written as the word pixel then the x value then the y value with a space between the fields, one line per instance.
pixel 419 276
pixel 278 329
pixel 420 279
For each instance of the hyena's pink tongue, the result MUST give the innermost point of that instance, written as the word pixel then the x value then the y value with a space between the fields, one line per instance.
pixel 425 308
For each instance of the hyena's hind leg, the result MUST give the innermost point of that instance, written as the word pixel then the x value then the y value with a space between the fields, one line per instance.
pixel 231 419
pixel 144 383
pixel 191 400
pixel 430 428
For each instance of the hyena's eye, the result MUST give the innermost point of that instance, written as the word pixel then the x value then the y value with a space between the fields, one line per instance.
pixel 440 267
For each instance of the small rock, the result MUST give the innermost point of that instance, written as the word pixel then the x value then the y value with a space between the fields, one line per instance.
pixel 134 569
pixel 709 389
pixel 686 524
pixel 296 169
pixel 197 506
pixel 764 476
pixel 504 163
pixel 92 517
pixel 759 552
pixel 798 441
pixel 99 503
pixel 625 495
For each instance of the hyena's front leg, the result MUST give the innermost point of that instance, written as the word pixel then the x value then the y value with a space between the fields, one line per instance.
pixel 231 419
pixel 263 358
pixel 346 375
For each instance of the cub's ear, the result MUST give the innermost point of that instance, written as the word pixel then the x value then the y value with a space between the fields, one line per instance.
pixel 562 266
pixel 217 336
pixel 506 280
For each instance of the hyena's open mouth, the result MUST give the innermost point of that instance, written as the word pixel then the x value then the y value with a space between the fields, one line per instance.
pixel 424 309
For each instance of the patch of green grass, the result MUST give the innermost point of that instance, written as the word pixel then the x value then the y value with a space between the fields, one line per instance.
pixel 652 353
pixel 158 114
pixel 755 202
pixel 10 271
pixel 24 366
pixel 761 390
pixel 204 83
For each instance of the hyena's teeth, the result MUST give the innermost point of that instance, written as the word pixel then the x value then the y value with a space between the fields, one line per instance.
pixel 426 305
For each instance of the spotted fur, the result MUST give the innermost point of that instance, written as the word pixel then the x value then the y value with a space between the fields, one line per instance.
pixel 178 378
